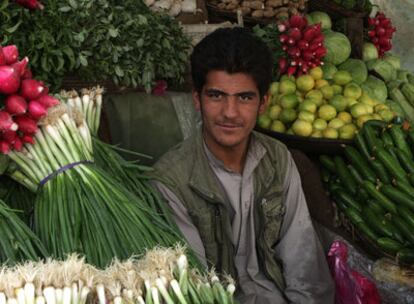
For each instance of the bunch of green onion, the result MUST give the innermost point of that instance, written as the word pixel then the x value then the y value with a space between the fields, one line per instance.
pixel 17 242
pixel 83 209
pixel 162 276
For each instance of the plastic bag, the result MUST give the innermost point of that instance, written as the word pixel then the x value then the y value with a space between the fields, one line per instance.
pixel 351 286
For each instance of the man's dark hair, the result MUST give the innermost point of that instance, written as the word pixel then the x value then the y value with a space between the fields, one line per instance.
pixel 233 50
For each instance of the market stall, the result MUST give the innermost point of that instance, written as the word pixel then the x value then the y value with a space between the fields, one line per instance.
pixel 341 100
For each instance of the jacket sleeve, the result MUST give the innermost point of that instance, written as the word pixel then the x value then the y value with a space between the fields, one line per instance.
pixel 183 220
pixel 306 272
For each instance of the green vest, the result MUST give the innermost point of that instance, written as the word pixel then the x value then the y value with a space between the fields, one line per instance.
pixel 186 171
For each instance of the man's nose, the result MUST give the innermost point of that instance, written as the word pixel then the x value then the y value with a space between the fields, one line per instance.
pixel 231 107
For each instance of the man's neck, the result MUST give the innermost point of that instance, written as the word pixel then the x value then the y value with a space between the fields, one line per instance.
pixel 233 158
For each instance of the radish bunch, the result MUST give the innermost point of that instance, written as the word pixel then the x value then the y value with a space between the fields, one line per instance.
pixel 25 101
pixel 380 32
pixel 30 4
pixel 303 45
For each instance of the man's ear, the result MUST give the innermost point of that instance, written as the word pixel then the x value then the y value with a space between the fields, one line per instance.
pixel 196 100
pixel 264 103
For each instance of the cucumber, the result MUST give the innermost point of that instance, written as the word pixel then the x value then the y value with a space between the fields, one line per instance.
pixel 397 196
pixel 371 138
pixel 376 124
pixel 405 160
pixel 381 198
pixel 389 245
pixel 375 221
pixel 380 171
pixel 387 139
pixel 365 229
pixel 398 136
pixel 411 178
pixel 405 256
pixel 404 228
pixel 344 175
pixel 354 172
pixel 327 163
pixel 396 234
pixel 361 145
pixel 407 215
pixel 388 161
pixel 362 195
pixel 347 199
pixel 354 215
pixel 359 163
pixel 404 187
pixel 376 207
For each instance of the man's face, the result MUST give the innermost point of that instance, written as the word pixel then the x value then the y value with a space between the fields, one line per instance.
pixel 229 104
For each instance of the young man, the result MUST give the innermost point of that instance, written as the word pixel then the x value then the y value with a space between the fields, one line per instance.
pixel 236 194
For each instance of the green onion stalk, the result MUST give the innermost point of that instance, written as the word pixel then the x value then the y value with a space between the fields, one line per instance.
pixel 162 276
pixel 17 242
pixel 129 173
pixel 79 207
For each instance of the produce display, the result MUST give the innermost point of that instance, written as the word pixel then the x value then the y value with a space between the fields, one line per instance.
pixel 380 32
pixel 161 276
pixel 172 8
pixel 78 206
pixel 373 186
pixel 128 43
pixel 275 9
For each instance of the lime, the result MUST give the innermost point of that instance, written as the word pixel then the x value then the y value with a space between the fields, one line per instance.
pixel 264 121
pixel 316 96
pixel 327 112
pixel 305 83
pixel 274 112
pixel 316 134
pixel 302 128
pixel 358 110
pixel 274 88
pixel 345 117
pixel 321 83
pixel 287 87
pixel 289 101
pixel 380 107
pixel 362 119
pixel 316 73
pixel 308 105
pixel 330 133
pixel 347 131
pixel 350 102
pixel 278 126
pixel 327 91
pixel 287 115
pixel 336 123
pixel 319 124
pixel 386 115
pixel 338 102
pixel 352 90
pixel 337 89
pixel 342 77
pixel 306 116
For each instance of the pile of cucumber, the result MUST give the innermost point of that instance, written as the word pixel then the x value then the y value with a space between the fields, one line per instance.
pixel 373 185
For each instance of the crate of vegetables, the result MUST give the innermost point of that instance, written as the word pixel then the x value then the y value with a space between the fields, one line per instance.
pixel 254 11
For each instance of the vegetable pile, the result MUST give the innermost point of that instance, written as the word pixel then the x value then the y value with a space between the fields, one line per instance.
pixel 161 276
pixel 380 32
pixel 373 186
pixel 126 43
pixel 303 45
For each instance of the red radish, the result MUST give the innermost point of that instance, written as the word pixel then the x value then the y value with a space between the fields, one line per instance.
pixel 283 38
pixel 371 21
pixel 291 70
pixel 36 110
pixel 291 42
pixel 303 44
pixel 281 27
pixel 283 64
pixel 48 101
pixel 31 89
pixel 27 74
pixel 372 33
pixel 318 39
pixel 309 33
pixel 293 63
pixel 297 21
pixel 295 33
pixel 380 31
pixel 30 4
pixel 6 122
pixel 15 105
pixel 26 124
pixel 307 55
pixel 28 139
pixel 21 65
pixel 385 22
pixel 2 58
pixel 18 144
pixel 9 80
pixel 10 136
pixel 11 53
pixel 314 46
pixel 285 48
pixel 4 147
pixel 294 52
pixel 320 52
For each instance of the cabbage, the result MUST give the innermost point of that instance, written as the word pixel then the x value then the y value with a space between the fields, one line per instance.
pixel 375 88
pixel 321 17
pixel 338 47
pixel 369 51
pixel 328 70
pixel 394 60
pixel 383 69
pixel 357 68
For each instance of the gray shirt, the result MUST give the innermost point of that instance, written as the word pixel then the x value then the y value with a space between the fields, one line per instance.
pixel 304 265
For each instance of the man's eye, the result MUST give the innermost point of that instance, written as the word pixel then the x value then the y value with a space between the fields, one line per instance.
pixel 245 98
pixel 214 95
